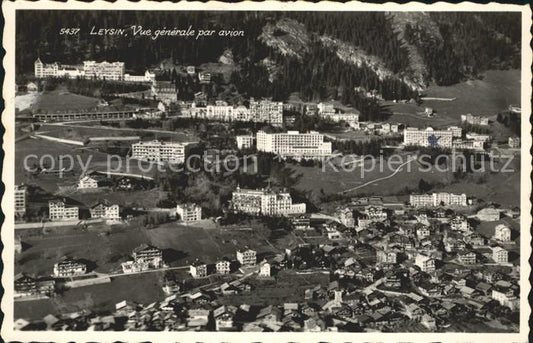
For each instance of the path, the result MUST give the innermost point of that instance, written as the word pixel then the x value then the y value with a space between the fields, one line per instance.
pixel 396 171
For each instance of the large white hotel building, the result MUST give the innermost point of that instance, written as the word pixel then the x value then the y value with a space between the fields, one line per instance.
pixel 437 199
pixel 89 70
pixel 265 202
pixel 158 151
pixel 294 144
pixel 441 138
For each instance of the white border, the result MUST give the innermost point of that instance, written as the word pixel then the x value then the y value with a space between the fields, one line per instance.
pixel 7 233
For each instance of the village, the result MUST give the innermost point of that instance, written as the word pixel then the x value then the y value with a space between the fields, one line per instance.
pixel 428 260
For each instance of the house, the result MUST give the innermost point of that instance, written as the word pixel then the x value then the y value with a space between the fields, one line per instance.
pixel 425 263
pixel 505 296
pixel 198 270
pixel 32 87
pixel 105 210
pixel 144 257
pixel 467 257
pixel 429 322
pixel 246 257
pixel 414 312
pixel 224 318
pixel 189 212
pixel 59 210
pixel 502 233
pixel 383 256
pixel 222 266
pixel 264 270
pixel 69 268
pixel 500 255
pixel 87 182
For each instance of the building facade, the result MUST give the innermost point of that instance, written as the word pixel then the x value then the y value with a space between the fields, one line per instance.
pixel 104 70
pixel 265 202
pixel 502 233
pixel 189 212
pixel 425 263
pixel 58 210
pixel 428 137
pixel 105 210
pixel 294 144
pixel 69 268
pixel 247 257
pixel 437 199
pixel 20 200
pixel 87 182
pixel 159 151
pixel 245 141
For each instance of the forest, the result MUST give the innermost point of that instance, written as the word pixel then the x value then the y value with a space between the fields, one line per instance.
pixel 469 44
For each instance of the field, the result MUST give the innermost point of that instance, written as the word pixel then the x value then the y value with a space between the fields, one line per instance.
pixel 106 248
pixel 59 100
pixel 142 288
pixel 94 160
pixel 499 187
pixel 494 93
pixel 82 131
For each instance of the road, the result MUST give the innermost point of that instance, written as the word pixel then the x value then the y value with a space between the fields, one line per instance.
pixel 396 171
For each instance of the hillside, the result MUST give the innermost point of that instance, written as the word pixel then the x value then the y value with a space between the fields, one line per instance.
pixel 320 55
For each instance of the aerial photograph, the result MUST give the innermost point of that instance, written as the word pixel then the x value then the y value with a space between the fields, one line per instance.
pixel 267 171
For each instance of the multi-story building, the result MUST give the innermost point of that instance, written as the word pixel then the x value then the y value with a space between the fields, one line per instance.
pixel 223 266
pixel 478 137
pixel 220 110
pixel 514 142
pixel 467 144
pixel 345 216
pixel 147 77
pixel 266 111
pixel 20 200
pixel 69 268
pixel 104 70
pixel 105 210
pixel 438 199
pixel 145 257
pixel 294 144
pixel 502 233
pixel 43 70
pixel 264 269
pixel 383 256
pixel 198 270
pixel 425 263
pixel 87 182
pixel 459 223
pixel 58 210
pixel 467 257
pixel 457 132
pixel 247 257
pixel 505 296
pixel 325 108
pixel 474 120
pixel 500 255
pixel 189 212
pixel 159 151
pixel 149 255
pixel 245 141
pixel 428 137
pixel 165 91
pixel 265 202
